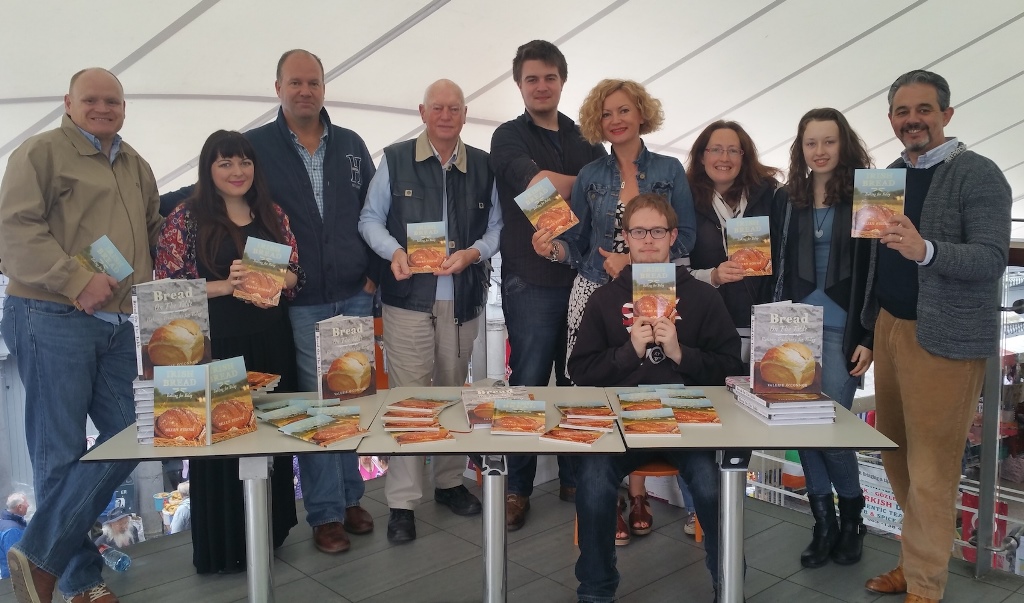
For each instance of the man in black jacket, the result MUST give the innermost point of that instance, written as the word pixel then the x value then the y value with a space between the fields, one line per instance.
pixel 541 143
pixel 698 345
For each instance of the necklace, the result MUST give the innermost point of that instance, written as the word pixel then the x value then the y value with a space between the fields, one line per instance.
pixel 820 232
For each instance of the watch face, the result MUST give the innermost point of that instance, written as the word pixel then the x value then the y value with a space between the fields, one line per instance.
pixel 655 354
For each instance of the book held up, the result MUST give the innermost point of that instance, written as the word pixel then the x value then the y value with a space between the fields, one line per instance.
pixel 749 244
pixel 654 290
pixel 266 263
pixel 103 257
pixel 426 245
pixel 545 208
pixel 878 195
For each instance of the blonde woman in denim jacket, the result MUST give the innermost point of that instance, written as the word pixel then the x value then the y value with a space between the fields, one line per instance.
pixel 618 112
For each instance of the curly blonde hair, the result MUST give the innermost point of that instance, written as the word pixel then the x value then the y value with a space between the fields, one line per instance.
pixel 593 107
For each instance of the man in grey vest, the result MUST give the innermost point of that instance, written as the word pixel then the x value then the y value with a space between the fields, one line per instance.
pixel 431 319
pixel 933 299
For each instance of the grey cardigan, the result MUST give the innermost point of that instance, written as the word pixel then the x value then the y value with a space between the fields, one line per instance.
pixel 966 216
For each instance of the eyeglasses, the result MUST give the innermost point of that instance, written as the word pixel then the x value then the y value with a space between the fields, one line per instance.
pixel 641 233
pixel 732 151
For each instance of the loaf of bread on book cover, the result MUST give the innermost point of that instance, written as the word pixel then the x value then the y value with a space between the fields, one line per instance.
pixel 345 357
pixel 785 348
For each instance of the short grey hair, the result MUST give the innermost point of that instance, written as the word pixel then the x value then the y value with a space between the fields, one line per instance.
pixel 428 94
pixel 16 500
pixel 920 76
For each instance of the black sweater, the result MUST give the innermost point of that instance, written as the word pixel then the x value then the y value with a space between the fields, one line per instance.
pixel 604 356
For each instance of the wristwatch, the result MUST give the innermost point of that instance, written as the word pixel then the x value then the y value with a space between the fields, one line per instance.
pixel 553 256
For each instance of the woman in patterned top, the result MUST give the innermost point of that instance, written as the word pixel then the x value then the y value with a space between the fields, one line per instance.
pixel 204 238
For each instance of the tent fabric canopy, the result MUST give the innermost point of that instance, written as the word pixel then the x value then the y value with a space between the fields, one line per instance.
pixel 190 68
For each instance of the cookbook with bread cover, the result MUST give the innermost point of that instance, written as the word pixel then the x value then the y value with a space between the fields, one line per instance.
pixel 878 195
pixel 479 403
pixel 345 357
pixel 181 406
pixel 326 429
pixel 266 263
pixel 545 208
pixel 571 436
pixel 645 400
pixel 422 405
pixel 654 290
pixel 749 244
pixel 653 422
pixel 426 245
pixel 785 348
pixel 518 417
pixel 693 411
pixel 172 326
pixel 103 257
pixel 231 409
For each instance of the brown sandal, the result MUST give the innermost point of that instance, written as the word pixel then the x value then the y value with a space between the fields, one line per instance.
pixel 640 519
pixel 621 529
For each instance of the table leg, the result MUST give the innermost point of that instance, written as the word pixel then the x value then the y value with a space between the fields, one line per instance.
pixel 495 536
pixel 733 466
pixel 254 473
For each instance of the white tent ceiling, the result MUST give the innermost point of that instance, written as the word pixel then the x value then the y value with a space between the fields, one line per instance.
pixel 191 67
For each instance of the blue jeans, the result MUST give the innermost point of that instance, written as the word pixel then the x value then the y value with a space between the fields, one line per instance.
pixel 685 491
pixel 824 469
pixel 331 481
pixel 73 366
pixel 535 318
pixel 598 479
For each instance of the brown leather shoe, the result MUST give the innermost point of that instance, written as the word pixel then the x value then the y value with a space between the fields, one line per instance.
pixel 358 520
pixel 912 598
pixel 889 583
pixel 97 594
pixel 31 583
pixel 567 493
pixel 516 506
pixel 331 537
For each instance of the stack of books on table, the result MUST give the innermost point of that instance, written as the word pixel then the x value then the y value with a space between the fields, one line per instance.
pixel 519 417
pixel 688 407
pixel 417 420
pixel 582 424
pixel 643 413
pixel 787 409
pixel 479 403
pixel 143 393
pixel 320 422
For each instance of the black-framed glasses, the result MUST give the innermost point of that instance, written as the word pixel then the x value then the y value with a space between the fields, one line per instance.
pixel 658 232
pixel 731 151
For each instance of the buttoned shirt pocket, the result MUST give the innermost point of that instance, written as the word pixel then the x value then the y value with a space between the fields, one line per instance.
pixel 663 188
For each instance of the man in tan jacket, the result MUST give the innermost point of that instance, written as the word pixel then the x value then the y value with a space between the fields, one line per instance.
pixel 68 327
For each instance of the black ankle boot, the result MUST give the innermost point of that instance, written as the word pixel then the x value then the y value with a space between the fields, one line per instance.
pixel 851 531
pixel 825 533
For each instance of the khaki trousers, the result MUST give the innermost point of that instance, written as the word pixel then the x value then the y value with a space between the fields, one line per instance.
pixel 925 403
pixel 422 350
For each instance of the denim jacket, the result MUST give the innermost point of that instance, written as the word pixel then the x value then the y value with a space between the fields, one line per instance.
pixel 595 196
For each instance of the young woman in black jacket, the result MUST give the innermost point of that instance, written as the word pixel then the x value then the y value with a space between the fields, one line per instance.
pixel 824 266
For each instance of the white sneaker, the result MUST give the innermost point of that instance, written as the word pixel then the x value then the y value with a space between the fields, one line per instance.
pixel 690 527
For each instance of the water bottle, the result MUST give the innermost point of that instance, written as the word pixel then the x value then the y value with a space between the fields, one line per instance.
pixel 115 559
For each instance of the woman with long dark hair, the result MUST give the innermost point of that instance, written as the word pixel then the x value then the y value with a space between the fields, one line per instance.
pixel 728 181
pixel 204 238
pixel 825 266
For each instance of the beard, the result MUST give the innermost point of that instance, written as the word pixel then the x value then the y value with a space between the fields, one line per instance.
pixel 915 147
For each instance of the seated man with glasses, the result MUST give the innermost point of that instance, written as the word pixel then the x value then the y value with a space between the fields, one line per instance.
pixel 696 345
